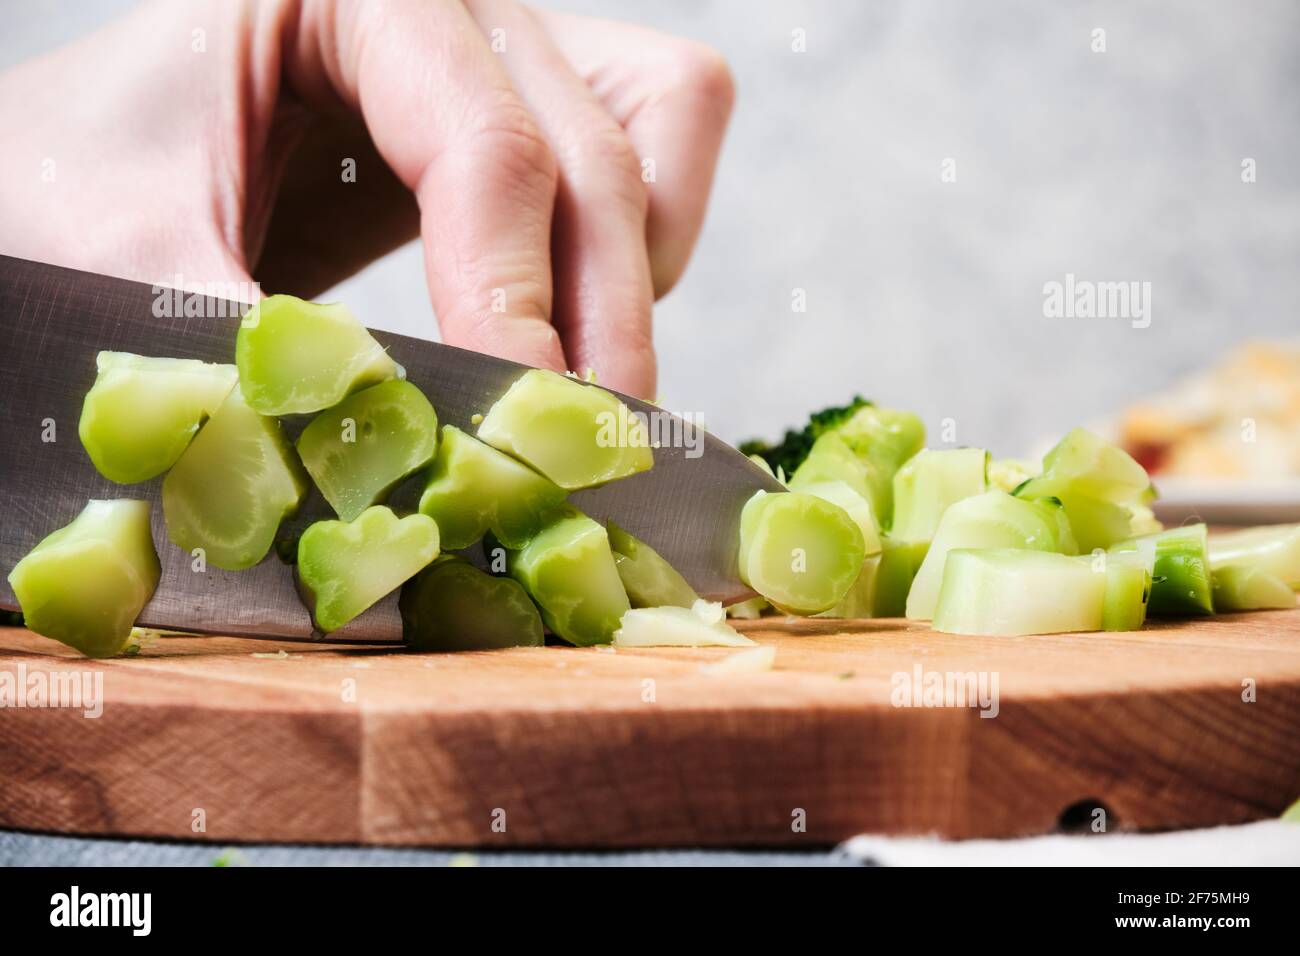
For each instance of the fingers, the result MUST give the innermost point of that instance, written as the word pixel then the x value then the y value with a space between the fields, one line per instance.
pixel 674 97
pixel 603 295
pixel 445 118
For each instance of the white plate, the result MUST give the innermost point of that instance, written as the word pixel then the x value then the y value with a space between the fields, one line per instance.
pixel 1227 502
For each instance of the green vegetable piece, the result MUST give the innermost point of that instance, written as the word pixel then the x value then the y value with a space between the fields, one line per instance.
pixel 899 562
pixel 346 566
pixel 577 435
pixel 141 413
pixel 929 482
pixel 789 453
pixel 649 580
pixel 1005 591
pixel 85 584
pixel 359 450
pixel 833 459
pixel 750 610
pixel 864 451
pixel 453 606
pixel 991 520
pixel 801 552
pixel 229 491
pixel 568 569
pixel 1008 474
pixel 297 356
pixel 704 624
pixel 1271 548
pixel 1245 588
pixel 885 436
pixel 1128 589
pixel 1097 483
pixel 858 508
pixel 1180 577
pixel 860 599
pixel 1142 520
pixel 1292 813
pixel 474 488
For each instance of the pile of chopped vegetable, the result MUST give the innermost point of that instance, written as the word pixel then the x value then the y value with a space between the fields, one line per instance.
pixel 979 545
pixel 872 523
pixel 231 477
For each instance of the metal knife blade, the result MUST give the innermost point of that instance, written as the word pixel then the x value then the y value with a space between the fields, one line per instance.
pixel 53 321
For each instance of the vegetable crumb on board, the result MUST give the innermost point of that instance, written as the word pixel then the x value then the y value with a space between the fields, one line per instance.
pixel 755 660
pixel 230 857
pixel 272 656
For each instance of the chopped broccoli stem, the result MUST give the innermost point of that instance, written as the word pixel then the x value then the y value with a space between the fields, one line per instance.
pixel 297 357
pixel 801 552
pixel 357 451
pixel 1097 483
pixel 141 413
pixel 649 580
pixel 1008 474
pixel 1245 588
pixel 1180 576
pixel 886 436
pixel 578 436
pixel 346 566
pixel 1012 591
pixel 899 562
pixel 832 459
pixel 750 610
pixel 857 507
pixel 569 570
pixel 86 583
pixel 864 451
pixel 860 599
pixel 994 519
pixel 929 482
pixel 1272 548
pixel 1128 590
pixel 453 606
pixel 233 485
pixel 703 624
pixel 473 488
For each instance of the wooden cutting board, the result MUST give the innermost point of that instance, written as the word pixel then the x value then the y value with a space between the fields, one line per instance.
pixel 598 748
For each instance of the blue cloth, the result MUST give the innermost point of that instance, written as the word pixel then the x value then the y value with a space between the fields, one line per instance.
pixel 36 849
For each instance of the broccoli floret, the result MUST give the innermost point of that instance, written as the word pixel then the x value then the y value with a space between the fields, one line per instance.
pixel 790 452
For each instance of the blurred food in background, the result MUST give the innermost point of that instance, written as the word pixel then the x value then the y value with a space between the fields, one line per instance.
pixel 1236 421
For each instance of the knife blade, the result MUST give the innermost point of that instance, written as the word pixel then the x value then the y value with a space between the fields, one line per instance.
pixel 53 322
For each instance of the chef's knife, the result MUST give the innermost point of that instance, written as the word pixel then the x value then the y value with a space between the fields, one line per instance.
pixel 53 321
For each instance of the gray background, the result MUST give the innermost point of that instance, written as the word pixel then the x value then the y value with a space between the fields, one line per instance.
pixel 928 295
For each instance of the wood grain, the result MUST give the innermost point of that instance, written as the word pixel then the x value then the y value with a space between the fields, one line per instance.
pixel 564 746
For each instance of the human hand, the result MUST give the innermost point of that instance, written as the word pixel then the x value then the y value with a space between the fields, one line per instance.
pixel 211 139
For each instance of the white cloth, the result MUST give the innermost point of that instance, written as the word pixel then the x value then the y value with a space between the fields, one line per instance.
pixel 1266 843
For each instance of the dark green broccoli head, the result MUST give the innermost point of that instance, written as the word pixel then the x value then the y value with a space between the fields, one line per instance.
pixel 790 452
